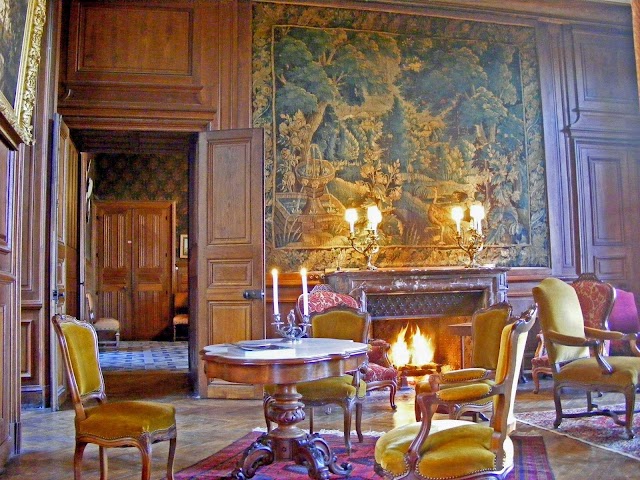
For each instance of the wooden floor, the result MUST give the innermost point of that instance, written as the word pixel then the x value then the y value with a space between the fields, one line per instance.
pixel 206 426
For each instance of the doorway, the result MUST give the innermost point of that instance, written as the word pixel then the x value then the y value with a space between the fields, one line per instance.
pixel 134 259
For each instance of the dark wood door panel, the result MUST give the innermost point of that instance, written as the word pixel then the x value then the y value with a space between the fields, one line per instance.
pixel 134 268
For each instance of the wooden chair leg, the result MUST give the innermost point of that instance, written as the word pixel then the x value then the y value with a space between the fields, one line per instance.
pixel 145 456
pixel 536 380
pixel 359 422
pixel 630 404
pixel 104 465
pixel 393 388
pixel 77 460
pixel 172 455
pixel 347 426
pixel 117 339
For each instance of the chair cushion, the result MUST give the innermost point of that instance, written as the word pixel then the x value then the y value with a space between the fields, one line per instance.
pixel 126 419
pixel 181 319
pixel 587 371
pixel 624 316
pixel 541 361
pixel 376 373
pixel 332 387
pixel 454 448
pixel 106 324
pixel 322 298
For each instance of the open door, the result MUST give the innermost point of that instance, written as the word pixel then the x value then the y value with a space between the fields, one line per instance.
pixel 226 249
pixel 65 243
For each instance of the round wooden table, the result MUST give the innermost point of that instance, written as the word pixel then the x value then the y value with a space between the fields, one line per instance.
pixel 309 359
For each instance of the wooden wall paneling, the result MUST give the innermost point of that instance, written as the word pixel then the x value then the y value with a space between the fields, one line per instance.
pixel 558 164
pixel 11 170
pixel 609 218
pixel 143 65
pixel 226 248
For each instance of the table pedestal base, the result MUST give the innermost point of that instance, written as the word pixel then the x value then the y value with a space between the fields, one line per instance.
pixel 311 451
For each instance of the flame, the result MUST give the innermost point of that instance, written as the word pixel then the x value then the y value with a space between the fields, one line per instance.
pixel 421 351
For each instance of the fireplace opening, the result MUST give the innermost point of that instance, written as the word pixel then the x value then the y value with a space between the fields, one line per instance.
pixel 420 346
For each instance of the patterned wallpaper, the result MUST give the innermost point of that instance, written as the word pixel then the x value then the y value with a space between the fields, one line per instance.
pixel 145 177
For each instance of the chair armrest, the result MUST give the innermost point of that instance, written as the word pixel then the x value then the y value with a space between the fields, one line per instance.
pixel 570 340
pixel 378 352
pixel 540 351
pixel 592 343
pixel 465 375
pixel 609 334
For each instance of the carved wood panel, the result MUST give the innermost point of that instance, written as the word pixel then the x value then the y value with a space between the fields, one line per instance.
pixel 608 210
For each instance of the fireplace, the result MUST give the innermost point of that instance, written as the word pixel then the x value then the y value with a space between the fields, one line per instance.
pixel 429 299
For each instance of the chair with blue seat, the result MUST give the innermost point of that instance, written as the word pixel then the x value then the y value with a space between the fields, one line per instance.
pixel 576 356
pixel 108 424
pixel 457 449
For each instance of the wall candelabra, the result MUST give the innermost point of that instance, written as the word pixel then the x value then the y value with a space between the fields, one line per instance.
pixel 471 241
pixel 366 244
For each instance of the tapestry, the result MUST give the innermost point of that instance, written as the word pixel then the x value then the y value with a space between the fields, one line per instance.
pixel 413 114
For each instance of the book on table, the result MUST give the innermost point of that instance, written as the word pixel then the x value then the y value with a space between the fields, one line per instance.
pixel 265 350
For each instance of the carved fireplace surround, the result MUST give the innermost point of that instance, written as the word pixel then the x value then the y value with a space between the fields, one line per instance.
pixel 434 297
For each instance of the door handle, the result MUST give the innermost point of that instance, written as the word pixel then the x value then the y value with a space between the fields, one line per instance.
pixel 253 294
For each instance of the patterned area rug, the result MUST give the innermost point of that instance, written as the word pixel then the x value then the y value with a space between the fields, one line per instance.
pixel 530 458
pixel 132 356
pixel 599 431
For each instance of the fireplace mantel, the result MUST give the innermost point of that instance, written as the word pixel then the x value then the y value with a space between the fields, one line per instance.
pixel 423 292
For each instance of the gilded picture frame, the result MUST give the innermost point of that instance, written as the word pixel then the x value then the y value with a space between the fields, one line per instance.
pixel 21 30
pixel 184 246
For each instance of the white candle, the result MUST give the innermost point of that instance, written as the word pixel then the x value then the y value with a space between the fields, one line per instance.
pixel 374 216
pixel 351 215
pixel 457 214
pixel 305 293
pixel 274 274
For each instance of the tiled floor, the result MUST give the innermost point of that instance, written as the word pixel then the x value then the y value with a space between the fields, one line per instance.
pixel 133 356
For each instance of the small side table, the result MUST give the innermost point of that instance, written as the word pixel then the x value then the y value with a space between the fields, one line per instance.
pixel 462 330
pixel 312 359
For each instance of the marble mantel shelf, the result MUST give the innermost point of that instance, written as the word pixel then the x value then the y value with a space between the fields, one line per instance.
pixel 423 292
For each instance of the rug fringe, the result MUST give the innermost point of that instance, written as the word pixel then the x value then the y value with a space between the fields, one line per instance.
pixel 370 433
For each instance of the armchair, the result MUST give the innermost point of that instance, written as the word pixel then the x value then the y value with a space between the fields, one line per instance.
pixel 103 325
pixel 486 329
pixel 181 317
pixel 459 448
pixel 119 424
pixel 568 342
pixel 596 300
pixel 624 318
pixel 379 373
pixel 347 391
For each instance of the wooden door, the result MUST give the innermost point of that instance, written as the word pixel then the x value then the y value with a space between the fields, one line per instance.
pixel 134 255
pixel 608 202
pixel 64 243
pixel 226 248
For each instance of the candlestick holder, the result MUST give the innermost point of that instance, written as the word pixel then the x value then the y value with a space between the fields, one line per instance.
pixel 291 331
pixel 471 244
pixel 367 245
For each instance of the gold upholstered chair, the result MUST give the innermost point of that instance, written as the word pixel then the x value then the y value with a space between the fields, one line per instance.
pixel 596 302
pixel 379 373
pixel 458 448
pixel 105 326
pixel 347 391
pixel 486 329
pixel 181 309
pixel 119 424
pixel 576 357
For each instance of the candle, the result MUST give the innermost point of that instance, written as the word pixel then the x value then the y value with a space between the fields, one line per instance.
pixel 351 215
pixel 274 274
pixel 457 214
pixel 305 293
pixel 477 213
pixel 375 216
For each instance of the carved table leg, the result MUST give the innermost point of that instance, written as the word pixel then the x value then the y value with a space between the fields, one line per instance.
pixel 288 442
